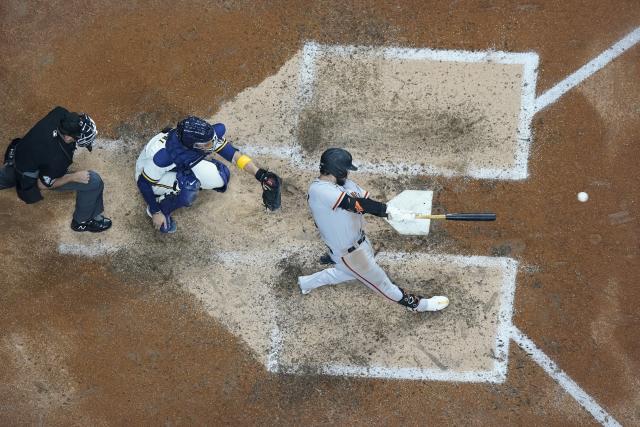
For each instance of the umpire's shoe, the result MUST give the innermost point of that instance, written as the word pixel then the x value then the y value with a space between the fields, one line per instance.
pixel 95 225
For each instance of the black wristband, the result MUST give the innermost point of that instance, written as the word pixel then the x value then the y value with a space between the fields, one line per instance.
pixel 361 205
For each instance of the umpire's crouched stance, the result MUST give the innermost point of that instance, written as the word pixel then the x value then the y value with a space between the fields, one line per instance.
pixel 39 161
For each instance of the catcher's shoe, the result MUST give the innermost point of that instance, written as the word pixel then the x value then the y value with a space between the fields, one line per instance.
pixel 171 226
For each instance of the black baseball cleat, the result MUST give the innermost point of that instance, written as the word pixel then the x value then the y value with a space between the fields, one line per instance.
pixel 93 225
pixel 326 260
pixel 420 303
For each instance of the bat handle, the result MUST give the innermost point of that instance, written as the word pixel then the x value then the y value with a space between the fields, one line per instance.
pixel 471 217
pixel 430 216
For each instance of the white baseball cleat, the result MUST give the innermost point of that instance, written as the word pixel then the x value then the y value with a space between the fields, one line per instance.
pixel 436 303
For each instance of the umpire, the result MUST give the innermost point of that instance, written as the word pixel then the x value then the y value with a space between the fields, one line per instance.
pixel 39 161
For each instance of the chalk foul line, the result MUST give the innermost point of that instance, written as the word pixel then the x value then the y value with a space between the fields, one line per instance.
pixel 552 95
pixel 570 386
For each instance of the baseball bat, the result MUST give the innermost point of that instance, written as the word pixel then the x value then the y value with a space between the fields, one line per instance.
pixel 460 216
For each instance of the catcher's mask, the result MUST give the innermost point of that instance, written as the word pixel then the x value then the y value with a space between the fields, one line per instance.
pixel 217 139
pixel 336 162
pixel 198 134
pixel 81 127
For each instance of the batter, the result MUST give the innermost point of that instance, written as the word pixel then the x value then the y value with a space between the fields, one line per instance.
pixel 338 206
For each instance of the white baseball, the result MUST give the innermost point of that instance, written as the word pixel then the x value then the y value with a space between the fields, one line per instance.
pixel 582 196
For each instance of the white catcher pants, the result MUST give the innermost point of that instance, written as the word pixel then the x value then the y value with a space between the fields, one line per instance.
pixel 360 265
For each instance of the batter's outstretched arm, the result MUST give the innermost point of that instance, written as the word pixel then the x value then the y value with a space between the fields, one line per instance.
pixel 363 205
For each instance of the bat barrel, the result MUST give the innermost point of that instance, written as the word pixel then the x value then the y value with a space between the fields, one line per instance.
pixel 471 217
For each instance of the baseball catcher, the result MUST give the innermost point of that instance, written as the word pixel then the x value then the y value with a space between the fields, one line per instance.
pixel 177 163
pixel 338 206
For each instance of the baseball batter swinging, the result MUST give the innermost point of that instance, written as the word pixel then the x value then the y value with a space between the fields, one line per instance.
pixel 338 206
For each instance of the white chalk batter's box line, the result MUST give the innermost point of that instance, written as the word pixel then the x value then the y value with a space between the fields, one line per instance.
pixel 528 60
pixel 498 374
pixel 92 250
pixel 528 90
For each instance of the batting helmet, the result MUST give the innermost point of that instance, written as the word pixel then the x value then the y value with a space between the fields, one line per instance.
pixel 336 162
pixel 81 127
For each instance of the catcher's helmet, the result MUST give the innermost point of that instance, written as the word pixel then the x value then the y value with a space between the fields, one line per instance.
pixel 81 127
pixel 200 135
pixel 336 162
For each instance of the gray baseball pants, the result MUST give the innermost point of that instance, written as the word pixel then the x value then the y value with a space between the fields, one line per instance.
pixel 89 200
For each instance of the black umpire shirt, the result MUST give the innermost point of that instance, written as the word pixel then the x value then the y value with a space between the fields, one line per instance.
pixel 42 154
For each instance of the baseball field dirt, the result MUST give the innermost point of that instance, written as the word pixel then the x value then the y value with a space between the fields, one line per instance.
pixel 476 101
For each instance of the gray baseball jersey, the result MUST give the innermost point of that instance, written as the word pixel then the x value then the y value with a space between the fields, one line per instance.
pixel 340 229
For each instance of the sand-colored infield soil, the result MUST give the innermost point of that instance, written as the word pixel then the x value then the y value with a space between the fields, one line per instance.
pixel 133 328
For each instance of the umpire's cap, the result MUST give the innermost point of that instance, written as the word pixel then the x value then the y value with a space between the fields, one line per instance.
pixel 336 162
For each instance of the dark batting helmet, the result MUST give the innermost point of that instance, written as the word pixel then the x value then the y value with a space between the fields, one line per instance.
pixel 336 162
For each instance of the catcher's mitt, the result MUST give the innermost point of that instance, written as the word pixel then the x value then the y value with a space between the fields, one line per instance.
pixel 271 189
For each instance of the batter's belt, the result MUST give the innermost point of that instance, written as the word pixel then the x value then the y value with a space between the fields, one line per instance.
pixel 362 238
